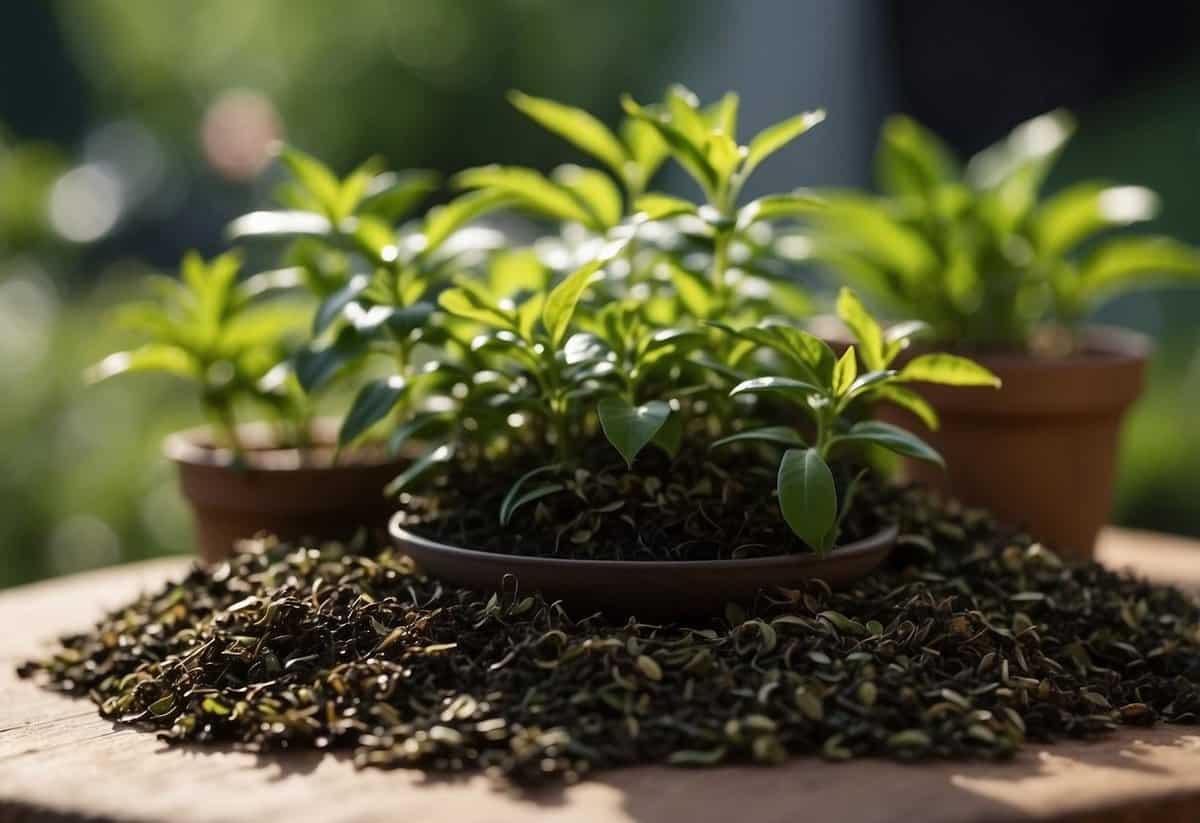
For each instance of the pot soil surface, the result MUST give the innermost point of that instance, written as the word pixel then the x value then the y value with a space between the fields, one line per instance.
pixel 972 641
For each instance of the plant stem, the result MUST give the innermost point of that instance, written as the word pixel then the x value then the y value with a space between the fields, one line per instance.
pixel 720 263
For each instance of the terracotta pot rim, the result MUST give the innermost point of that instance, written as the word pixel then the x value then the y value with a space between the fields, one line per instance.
pixel 882 540
pixel 195 447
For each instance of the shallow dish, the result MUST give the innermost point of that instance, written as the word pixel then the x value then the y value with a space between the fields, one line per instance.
pixel 657 588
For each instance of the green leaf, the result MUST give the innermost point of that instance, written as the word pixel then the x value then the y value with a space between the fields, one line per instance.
pixel 595 190
pixel 948 370
pixel 441 454
pixel 444 221
pixel 647 148
pixel 865 329
pixel 393 196
pixel 464 303
pixel 911 160
pixel 1077 212
pixel 807 496
pixel 670 437
pixel 280 225
pixel 513 500
pixel 723 115
pixel 314 367
pixel 656 206
pixel 845 372
pixel 773 138
pixel 1126 262
pixel 561 302
pixel 630 428
pixel 910 401
pixel 689 154
pixel 805 350
pixel 576 126
pixel 872 380
pixel 783 435
pixel 530 190
pixel 331 307
pixel 897 338
pixel 892 438
pixel 315 177
pixel 778 385
pixel 374 402
pixel 775 206
pixel 151 357
pixel 694 290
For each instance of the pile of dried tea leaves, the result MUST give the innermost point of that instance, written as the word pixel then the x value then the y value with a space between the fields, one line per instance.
pixel 973 641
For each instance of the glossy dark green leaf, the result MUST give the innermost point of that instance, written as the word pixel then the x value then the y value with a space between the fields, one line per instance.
pixel 314 367
pixel 440 454
pixel 630 428
pixel 416 425
pixel 778 385
pixel 783 435
pixel 515 497
pixel 807 496
pixel 893 438
pixel 464 303
pixel 373 403
pixel 331 307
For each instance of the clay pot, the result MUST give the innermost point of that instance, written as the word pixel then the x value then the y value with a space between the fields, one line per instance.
pixel 646 588
pixel 288 492
pixel 1040 451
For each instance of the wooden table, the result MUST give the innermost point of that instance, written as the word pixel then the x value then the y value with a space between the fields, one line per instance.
pixel 59 761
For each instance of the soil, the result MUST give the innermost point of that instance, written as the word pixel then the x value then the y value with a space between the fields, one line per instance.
pixel 699 506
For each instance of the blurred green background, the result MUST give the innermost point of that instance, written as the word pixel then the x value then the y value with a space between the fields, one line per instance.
pixel 132 130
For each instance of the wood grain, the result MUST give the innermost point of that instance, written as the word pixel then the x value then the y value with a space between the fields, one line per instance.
pixel 60 761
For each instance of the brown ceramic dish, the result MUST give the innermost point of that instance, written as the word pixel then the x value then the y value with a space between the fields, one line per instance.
pixel 650 588
pixel 288 492
pixel 1041 450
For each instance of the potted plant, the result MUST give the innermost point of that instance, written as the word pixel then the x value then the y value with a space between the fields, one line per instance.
pixel 586 448
pixel 994 270
pixel 231 339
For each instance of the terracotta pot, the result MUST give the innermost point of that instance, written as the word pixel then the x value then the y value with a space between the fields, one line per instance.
pixel 647 588
pixel 1040 451
pixel 288 492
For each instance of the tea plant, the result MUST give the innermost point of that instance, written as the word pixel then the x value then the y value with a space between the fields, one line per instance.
pixel 376 281
pixel 977 252
pixel 222 335
pixel 826 388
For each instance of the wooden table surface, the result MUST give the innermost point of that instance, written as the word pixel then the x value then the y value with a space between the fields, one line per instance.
pixel 60 761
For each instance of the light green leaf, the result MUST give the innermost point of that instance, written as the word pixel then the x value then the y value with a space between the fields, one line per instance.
pixel 1077 212
pixel 282 225
pixel 561 302
pixel 595 190
pixel 689 153
pixel 911 160
pixel 530 190
pixel 630 428
pixel 444 221
pixel 647 148
pixel 464 303
pixel 776 206
pixel 948 370
pixel 910 401
pixel 869 229
pixel 892 438
pixel 865 329
pixel 1126 262
pixel 148 358
pixel 807 496
pixel 657 206
pixel 783 435
pixel 576 126
pixel 332 306
pixel 374 402
pixel 845 372
pixel 773 138
pixel 315 177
